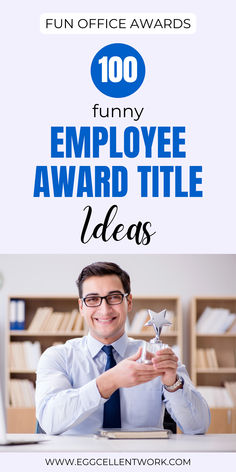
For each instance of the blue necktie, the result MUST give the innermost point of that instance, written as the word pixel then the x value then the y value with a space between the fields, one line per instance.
pixel 111 413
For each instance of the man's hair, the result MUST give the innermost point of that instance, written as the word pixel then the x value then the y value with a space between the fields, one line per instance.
pixel 99 269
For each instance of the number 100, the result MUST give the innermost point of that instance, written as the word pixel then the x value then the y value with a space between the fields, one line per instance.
pixel 115 69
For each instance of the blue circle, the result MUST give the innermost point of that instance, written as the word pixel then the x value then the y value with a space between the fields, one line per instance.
pixel 116 59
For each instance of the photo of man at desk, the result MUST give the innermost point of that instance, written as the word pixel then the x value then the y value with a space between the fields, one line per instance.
pixel 97 382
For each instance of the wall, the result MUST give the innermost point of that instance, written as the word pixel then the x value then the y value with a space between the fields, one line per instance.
pixel 183 275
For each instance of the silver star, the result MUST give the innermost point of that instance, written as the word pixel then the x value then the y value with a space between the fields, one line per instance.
pixel 157 320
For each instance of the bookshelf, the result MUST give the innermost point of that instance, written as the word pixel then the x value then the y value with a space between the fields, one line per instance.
pixel 21 419
pixel 224 346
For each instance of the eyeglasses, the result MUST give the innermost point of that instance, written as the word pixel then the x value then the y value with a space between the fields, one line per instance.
pixel 112 299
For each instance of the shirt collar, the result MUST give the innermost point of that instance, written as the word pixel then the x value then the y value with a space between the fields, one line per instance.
pixel 95 346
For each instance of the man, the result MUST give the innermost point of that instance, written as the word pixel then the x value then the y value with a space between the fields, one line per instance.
pixel 97 381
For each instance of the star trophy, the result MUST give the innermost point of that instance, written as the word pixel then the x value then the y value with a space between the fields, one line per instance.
pixel 157 320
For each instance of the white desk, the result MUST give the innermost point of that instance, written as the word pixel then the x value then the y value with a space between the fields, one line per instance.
pixel 177 443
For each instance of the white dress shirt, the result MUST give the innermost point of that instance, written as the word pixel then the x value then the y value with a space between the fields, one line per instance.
pixel 68 400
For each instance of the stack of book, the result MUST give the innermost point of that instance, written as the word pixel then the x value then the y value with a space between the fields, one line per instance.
pixel 47 320
pixel 22 393
pixel 24 355
pixel 206 358
pixel 216 321
pixel 138 322
pixel 216 397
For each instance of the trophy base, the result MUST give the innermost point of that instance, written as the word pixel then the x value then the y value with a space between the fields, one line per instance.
pixel 149 350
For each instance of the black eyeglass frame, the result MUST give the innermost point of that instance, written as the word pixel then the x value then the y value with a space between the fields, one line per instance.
pixel 123 295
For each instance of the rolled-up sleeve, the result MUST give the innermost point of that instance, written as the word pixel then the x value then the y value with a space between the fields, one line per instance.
pixel 187 406
pixel 59 406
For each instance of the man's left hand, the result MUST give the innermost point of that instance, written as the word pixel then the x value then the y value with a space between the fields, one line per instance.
pixel 166 363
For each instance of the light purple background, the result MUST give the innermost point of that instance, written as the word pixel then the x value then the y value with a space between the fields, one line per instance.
pixel 190 81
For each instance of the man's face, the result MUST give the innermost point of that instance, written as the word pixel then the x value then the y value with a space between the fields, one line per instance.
pixel 106 322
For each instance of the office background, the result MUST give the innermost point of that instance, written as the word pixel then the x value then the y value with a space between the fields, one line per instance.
pixel 151 275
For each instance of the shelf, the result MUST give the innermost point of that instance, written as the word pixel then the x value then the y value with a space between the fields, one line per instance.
pixel 22 371
pixel 205 347
pixel 19 408
pixel 25 333
pixel 21 420
pixel 217 370
pixel 172 334
pixel 225 335
pixel 223 420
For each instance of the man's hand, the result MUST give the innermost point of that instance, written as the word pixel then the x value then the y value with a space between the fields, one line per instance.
pixel 126 373
pixel 166 363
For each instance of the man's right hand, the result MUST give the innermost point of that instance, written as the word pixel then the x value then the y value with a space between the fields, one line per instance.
pixel 126 373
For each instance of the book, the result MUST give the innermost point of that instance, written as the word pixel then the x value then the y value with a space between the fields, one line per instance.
pixel 17 393
pixel 47 320
pixel 74 317
pixel 78 325
pixel 231 389
pixel 32 353
pixel 21 393
pixel 215 321
pixel 47 317
pixel 139 319
pixel 20 315
pixel 13 314
pixel 13 398
pixel 42 314
pixel 206 358
pixel 212 358
pixel 138 433
pixel 24 355
pixel 53 322
pixel 201 359
pixel 216 396
pixel 65 322
pixel 20 356
pixel 232 328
